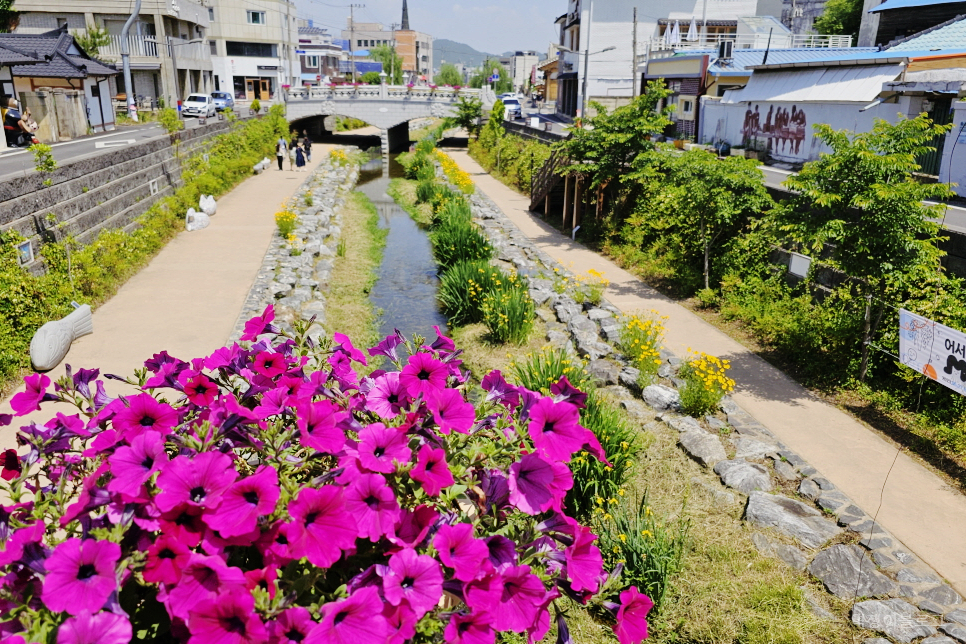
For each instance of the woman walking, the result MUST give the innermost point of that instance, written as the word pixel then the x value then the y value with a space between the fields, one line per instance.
pixel 300 158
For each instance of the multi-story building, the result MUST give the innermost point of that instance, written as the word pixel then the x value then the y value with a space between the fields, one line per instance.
pixel 170 54
pixel 800 15
pixel 253 45
pixel 365 35
pixel 319 55
pixel 521 68
pixel 416 50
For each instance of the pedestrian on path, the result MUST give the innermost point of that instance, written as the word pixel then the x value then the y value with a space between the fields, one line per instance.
pixel 291 151
pixel 307 144
pixel 281 148
pixel 300 158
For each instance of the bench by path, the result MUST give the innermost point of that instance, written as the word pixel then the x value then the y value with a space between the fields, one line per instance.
pixel 918 508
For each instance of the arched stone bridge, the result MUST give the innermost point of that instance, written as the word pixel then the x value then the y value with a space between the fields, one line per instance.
pixel 388 107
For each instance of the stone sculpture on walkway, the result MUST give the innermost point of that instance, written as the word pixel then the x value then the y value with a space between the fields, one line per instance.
pixel 52 341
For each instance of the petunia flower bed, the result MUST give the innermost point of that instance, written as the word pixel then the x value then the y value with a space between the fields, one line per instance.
pixel 276 492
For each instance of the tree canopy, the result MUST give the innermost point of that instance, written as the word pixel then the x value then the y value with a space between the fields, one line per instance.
pixel 502 85
pixel 468 113
pixel 448 75
pixel 391 62
pixel 840 18
pixel 92 39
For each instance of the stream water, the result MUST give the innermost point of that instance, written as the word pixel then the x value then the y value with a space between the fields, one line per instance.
pixel 405 290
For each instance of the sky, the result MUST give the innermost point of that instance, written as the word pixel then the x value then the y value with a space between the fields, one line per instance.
pixel 491 26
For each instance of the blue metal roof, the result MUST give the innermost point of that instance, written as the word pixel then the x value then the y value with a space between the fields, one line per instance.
pixel 909 4
pixel 862 56
pixel 950 36
pixel 361 66
pixel 745 58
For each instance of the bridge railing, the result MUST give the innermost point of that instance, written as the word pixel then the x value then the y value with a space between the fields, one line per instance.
pixel 388 92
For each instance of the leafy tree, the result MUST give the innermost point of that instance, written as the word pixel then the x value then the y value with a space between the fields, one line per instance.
pixel 468 113
pixel 501 86
pixel 448 75
pixel 92 40
pixel 371 78
pixel 841 17
pixel 391 62
pixel 493 131
pixel 8 16
pixel 863 201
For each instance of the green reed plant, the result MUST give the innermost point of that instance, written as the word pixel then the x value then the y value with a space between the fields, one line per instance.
pixel 508 311
pixel 426 145
pixel 456 209
pixel 459 241
pixel 650 548
pixel 542 369
pixel 426 191
pixel 415 164
pixel 463 287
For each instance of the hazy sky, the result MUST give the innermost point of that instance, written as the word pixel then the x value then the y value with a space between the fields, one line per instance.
pixel 492 26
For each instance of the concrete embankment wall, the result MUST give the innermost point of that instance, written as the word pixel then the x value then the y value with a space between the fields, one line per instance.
pixel 107 190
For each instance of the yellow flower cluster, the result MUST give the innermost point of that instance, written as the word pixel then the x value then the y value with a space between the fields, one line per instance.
pixel 338 157
pixel 285 220
pixel 711 372
pixel 453 172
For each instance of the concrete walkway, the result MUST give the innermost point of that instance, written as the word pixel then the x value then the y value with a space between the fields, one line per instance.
pixel 186 301
pixel 917 507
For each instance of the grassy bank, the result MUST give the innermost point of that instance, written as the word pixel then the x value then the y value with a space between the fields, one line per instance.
pixel 350 310
pixel 403 192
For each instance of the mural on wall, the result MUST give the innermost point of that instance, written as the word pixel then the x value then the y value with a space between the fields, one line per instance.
pixel 783 131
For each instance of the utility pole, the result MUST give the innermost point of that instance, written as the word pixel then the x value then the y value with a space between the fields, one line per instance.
pixel 583 102
pixel 132 109
pixel 352 36
pixel 634 57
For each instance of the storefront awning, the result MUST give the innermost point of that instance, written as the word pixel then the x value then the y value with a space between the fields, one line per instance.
pixel 860 84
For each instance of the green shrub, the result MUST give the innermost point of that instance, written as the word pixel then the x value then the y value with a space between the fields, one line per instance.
pixel 543 369
pixel 426 172
pixel 453 210
pixel 169 120
pixel 415 164
pixel 463 287
pixel 426 191
pixel 508 312
pixel 426 145
pixel 455 242
pixel 256 105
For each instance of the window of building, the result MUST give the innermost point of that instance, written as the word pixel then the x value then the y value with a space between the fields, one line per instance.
pixel 687 107
pixel 256 17
pixel 211 13
pixel 312 61
pixel 213 46
pixel 252 49
pixel 61 22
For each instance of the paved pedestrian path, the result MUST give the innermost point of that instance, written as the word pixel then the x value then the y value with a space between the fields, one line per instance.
pixel 187 299
pixel 917 507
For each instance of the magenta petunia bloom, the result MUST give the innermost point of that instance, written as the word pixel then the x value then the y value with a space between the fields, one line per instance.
pixel 461 551
pixel 80 575
pixel 413 526
pixel 100 628
pixel 555 430
pixel 451 412
pixel 270 364
pixel 321 527
pixel 442 344
pixel 470 628
pixel 379 446
pixel 400 623
pixel 537 485
pixel 521 600
pixel 498 389
pixel 355 620
pixel 423 374
pixel 144 413
pixel 229 618
pixel 345 345
pixel 562 391
pixel 259 325
pixel 167 559
pixel 245 501
pixel 631 627
pixel 373 505
pixel 198 481
pixel 501 551
pixel 415 579
pixel 584 563
pixel 200 390
pixel 317 424
pixel 388 346
pixel 432 470
pixel 291 627
pixel 133 466
pixel 29 400
pixel 12 468
pixel 203 578
pixel 387 397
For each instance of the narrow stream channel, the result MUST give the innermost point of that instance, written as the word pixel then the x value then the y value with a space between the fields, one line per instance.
pixel 405 291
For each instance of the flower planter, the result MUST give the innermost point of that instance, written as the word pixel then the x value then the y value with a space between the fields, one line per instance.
pixel 678 143
pixel 737 152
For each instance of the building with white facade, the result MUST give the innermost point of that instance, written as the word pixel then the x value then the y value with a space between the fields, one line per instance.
pixel 168 42
pixel 318 54
pixel 253 44
pixel 521 68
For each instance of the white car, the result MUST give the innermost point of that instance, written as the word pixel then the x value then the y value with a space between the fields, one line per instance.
pixel 199 105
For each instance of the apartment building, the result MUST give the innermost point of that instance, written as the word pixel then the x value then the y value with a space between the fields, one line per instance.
pixel 522 64
pixel 168 42
pixel 252 47
pixel 319 55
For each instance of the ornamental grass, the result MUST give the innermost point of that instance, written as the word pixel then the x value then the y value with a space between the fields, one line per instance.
pixel 463 287
pixel 459 241
pixel 508 311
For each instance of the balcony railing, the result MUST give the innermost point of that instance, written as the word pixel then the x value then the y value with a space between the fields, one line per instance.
pixel 144 46
pixel 753 41
pixel 393 92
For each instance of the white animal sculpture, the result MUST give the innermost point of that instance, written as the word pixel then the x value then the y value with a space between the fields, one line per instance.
pixel 208 205
pixel 52 341
pixel 195 220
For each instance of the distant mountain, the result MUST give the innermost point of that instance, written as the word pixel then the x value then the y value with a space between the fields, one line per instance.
pixel 450 51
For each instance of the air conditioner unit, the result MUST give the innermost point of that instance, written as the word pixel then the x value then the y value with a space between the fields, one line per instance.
pixel 726 49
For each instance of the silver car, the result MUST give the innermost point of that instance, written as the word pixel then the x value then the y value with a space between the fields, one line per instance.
pixel 200 105
pixel 223 101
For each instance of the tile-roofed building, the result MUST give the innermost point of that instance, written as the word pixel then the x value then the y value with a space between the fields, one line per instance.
pixel 948 35
pixel 62 57
pixel 891 20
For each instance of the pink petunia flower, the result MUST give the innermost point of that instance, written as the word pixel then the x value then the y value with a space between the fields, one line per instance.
pixel 537 485
pixel 451 412
pixel 355 620
pixel 184 523
pixel 413 526
pixel 200 390
pixel 245 501
pixel 432 470
pixel 400 623
pixel 203 578
pixel 388 346
pixel 144 413
pixel 387 397
pixel 423 374
pixel 521 600
pixel 29 400
pixel 321 527
pixel 555 430
pixel 373 505
pixel 470 628
pixel 11 465
pixel 133 466
pixel 199 481
pixel 584 563
pixel 291 627
pixel 229 618
pixel 317 424
pixel 80 575
pixel 415 579
pixel 167 559
pixel 498 389
pixel 264 578
pixel 631 627
pixel 345 345
pixel 259 325
pixel 562 391
pixel 461 551
pixel 270 364
pixel 379 446
pixel 100 628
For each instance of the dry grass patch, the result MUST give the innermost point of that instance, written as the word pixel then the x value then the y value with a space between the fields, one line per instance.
pixel 481 355
pixel 403 192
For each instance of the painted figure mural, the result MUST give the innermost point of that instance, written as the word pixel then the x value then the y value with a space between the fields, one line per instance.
pixel 783 129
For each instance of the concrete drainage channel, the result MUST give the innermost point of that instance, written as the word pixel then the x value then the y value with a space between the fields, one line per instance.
pixel 915 603
pixel 295 281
